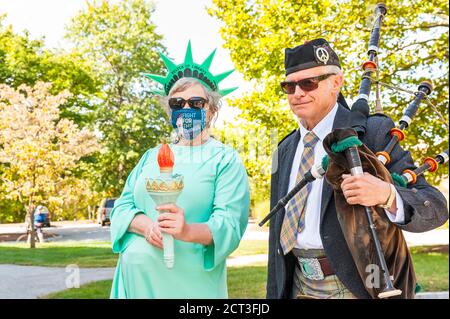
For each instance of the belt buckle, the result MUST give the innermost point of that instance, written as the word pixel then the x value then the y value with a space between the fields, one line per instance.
pixel 311 268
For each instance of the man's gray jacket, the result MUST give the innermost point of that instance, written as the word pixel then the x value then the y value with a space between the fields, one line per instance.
pixel 425 208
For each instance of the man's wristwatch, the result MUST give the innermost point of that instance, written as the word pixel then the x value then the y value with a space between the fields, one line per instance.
pixel 390 199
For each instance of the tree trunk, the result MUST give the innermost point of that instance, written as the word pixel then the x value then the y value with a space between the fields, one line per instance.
pixel 33 230
pixel 91 213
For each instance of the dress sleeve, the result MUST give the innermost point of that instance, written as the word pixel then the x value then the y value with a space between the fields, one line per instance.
pixel 229 218
pixel 124 209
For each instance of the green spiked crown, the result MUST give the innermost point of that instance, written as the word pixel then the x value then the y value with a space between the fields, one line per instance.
pixel 192 70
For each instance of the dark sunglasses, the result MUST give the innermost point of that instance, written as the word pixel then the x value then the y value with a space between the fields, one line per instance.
pixel 195 102
pixel 307 85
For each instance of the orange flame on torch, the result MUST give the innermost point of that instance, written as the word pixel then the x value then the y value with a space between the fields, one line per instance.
pixel 165 158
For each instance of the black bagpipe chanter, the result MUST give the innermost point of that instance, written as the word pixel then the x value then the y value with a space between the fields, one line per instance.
pixel 374 242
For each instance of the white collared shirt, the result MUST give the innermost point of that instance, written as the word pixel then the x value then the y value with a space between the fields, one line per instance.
pixel 309 238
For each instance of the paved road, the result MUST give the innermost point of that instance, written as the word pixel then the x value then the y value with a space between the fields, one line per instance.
pixel 93 232
pixel 67 231
pixel 72 231
pixel 30 282
pixel 90 232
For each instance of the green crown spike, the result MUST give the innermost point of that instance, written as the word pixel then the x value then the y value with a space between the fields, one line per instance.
pixel 168 62
pixel 207 63
pixel 157 78
pixel 222 76
pixel 227 91
pixel 188 56
pixel 190 69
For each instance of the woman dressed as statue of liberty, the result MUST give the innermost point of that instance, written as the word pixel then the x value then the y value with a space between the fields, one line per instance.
pixel 211 212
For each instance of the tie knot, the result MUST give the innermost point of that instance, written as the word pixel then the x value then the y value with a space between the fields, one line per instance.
pixel 310 139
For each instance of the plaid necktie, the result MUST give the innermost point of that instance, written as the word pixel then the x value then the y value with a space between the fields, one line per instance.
pixel 294 219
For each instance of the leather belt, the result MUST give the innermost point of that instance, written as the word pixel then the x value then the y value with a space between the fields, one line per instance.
pixel 313 264
pixel 326 267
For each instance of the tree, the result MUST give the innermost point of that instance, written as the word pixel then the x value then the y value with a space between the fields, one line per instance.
pixel 40 150
pixel 122 41
pixel 27 61
pixel 413 47
pixel 255 144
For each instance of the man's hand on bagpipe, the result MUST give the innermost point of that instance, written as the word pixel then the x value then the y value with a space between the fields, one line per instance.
pixel 365 190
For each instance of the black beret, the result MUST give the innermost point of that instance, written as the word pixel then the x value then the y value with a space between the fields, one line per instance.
pixel 309 55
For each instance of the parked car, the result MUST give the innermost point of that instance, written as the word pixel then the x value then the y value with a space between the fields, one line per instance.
pixel 104 210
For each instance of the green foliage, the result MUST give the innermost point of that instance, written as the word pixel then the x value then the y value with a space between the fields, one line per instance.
pixel 255 144
pixel 11 210
pixel 39 150
pixel 113 43
pixel 121 41
pixel 26 61
pixel 260 210
pixel 414 47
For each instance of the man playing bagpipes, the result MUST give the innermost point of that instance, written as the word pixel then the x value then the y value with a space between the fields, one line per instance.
pixel 320 244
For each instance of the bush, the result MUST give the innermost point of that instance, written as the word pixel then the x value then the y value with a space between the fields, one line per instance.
pixel 260 210
pixel 11 211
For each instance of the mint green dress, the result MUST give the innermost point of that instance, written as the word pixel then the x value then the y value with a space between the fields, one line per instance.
pixel 215 192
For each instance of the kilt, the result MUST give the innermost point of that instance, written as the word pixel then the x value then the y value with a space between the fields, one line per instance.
pixel 330 287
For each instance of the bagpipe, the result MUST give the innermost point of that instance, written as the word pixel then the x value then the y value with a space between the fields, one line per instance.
pixel 430 164
pixel 345 150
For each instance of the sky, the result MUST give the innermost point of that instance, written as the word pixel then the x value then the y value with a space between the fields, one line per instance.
pixel 177 20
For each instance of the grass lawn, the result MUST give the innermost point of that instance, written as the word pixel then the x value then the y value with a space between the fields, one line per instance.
pixel 93 290
pixel 432 268
pixel 240 277
pixel 251 247
pixel 87 254
pixel 238 287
